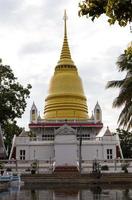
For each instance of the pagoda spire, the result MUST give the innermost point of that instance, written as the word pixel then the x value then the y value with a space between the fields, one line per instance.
pixel 65 57
pixel 66 99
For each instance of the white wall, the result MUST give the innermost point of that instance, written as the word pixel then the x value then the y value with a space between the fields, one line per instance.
pixel 91 152
pixel 97 151
pixel 65 150
pixel 39 152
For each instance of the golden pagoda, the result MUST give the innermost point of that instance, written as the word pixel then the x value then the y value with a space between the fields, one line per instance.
pixel 66 99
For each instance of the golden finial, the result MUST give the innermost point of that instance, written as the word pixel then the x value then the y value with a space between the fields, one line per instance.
pixel 65 18
pixel 65 57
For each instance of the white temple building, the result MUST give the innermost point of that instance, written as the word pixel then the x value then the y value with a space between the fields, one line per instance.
pixel 66 133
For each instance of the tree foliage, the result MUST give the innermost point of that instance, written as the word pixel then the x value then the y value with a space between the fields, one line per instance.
pixel 124 99
pixel 12 103
pixel 116 10
pixel 12 95
pixel 10 129
pixel 125 142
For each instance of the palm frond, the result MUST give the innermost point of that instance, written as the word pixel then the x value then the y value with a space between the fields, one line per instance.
pixel 124 98
pixel 115 84
pixel 123 63
pixel 125 117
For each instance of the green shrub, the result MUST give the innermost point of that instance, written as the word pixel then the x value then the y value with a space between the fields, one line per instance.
pixel 124 167
pixel 105 167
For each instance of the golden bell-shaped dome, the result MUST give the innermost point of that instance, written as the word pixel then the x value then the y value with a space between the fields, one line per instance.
pixel 66 99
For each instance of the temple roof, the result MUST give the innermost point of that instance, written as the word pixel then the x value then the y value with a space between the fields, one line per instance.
pixel 107 132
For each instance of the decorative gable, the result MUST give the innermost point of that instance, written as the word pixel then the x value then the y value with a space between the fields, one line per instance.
pixel 65 130
pixel 107 132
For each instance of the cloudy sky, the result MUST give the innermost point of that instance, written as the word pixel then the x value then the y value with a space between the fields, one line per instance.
pixel 31 36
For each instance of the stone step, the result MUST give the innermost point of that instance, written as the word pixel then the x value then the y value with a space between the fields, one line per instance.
pixel 66 169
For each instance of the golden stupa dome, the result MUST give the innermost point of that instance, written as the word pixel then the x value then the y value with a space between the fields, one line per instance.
pixel 66 99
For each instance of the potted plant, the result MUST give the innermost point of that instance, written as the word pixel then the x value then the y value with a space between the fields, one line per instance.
pixel 96 169
pixel 1 168
pixel 34 167
pixel 124 167
pixel 105 167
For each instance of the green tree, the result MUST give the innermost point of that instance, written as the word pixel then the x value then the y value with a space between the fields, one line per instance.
pixel 10 129
pixel 124 99
pixel 125 142
pixel 116 10
pixel 12 95
pixel 12 101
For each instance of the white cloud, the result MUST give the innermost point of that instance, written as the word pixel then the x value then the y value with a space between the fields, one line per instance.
pixel 31 35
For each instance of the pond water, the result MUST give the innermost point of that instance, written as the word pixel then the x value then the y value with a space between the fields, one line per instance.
pixel 72 192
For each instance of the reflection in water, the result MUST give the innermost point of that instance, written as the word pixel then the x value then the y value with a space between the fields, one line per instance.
pixel 127 194
pixel 34 195
pixel 62 194
pixel 68 193
pixel 96 192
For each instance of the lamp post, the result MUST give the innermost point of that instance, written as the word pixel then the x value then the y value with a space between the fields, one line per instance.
pixel 80 153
